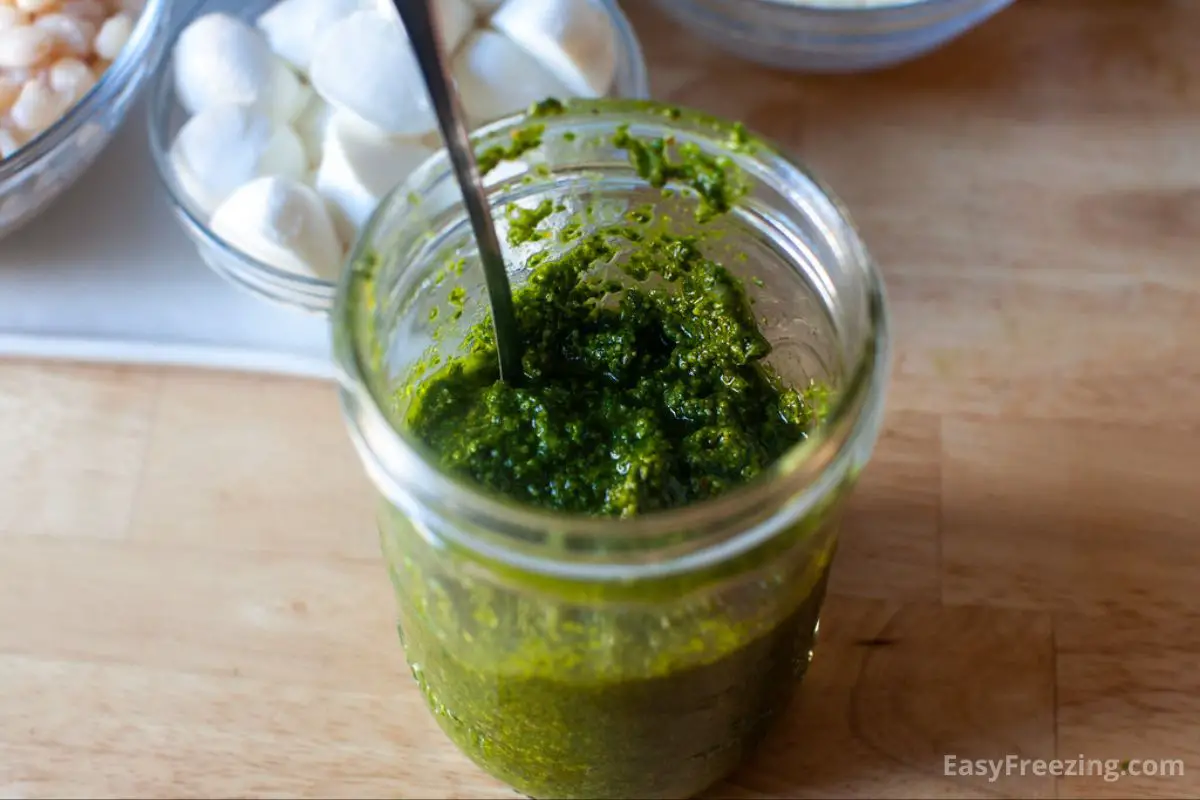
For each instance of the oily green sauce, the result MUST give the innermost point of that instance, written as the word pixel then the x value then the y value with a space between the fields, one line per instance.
pixel 646 387
pixel 636 398
pixel 566 701
pixel 707 175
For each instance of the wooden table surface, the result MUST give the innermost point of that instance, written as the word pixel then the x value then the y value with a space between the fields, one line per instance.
pixel 191 596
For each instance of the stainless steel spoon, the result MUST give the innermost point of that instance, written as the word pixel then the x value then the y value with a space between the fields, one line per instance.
pixel 422 25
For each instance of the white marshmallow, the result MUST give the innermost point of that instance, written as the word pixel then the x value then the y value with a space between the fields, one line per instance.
pixel 574 38
pixel 282 223
pixel 224 147
pixel 365 64
pixel 293 27
pixel 74 35
pixel 71 78
pixel 311 126
pixel 25 46
pixel 359 167
pixel 113 36
pixel 456 18
pixel 38 106
pixel 496 77
pixel 220 59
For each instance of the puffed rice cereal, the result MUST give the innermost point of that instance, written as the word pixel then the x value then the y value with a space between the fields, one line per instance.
pixel 52 52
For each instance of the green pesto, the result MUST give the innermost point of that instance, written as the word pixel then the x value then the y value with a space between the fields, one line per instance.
pixel 521 142
pixel 457 299
pixel 523 222
pixel 550 107
pixel 606 699
pixel 712 178
pixel 637 397
pixel 646 388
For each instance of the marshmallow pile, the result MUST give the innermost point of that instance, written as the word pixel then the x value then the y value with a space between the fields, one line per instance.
pixel 52 52
pixel 302 122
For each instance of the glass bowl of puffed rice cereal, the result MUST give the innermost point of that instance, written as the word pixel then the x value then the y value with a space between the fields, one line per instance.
pixel 69 72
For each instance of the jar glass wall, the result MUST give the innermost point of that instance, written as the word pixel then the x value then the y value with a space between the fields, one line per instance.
pixel 580 656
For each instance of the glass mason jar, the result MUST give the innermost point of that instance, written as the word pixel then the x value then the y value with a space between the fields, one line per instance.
pixel 591 657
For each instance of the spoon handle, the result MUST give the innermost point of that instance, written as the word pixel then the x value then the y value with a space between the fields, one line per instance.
pixel 422 26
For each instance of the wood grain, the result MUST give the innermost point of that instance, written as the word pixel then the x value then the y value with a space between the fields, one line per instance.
pixel 239 484
pixel 191 599
pixel 91 438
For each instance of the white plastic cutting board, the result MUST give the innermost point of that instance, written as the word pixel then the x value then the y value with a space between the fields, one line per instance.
pixel 106 274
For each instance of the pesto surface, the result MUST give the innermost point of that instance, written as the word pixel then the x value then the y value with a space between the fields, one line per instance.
pixel 636 398
pixel 646 387
pixel 638 395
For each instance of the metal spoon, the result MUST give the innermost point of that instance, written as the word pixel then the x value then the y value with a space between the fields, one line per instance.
pixel 421 23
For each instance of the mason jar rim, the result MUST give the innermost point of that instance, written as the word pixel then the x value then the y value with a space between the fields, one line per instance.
pixel 521 535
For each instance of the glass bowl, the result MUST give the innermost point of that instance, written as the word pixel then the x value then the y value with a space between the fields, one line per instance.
pixel 314 295
pixel 830 35
pixel 50 163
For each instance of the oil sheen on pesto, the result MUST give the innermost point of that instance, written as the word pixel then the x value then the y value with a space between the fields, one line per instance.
pixel 638 395
pixel 635 398
pixel 646 387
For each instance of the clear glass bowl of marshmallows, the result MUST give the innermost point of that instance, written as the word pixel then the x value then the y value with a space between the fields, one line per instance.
pixel 69 73
pixel 277 128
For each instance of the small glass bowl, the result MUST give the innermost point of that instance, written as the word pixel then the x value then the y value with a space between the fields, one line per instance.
pixel 49 164
pixel 314 295
pixel 828 35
